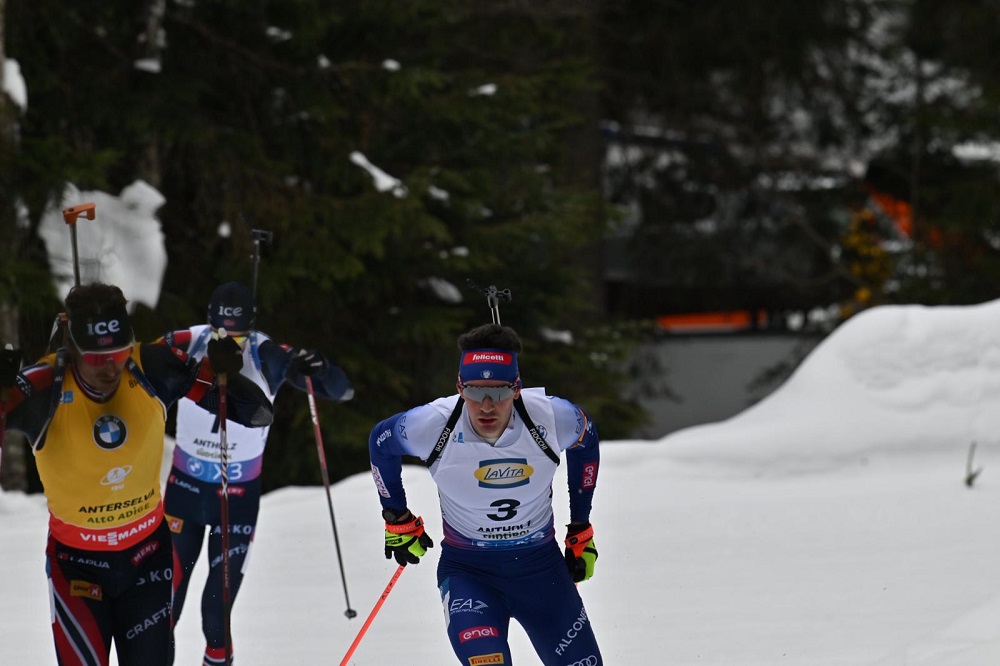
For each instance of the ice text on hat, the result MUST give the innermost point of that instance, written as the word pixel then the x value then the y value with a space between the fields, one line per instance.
pixel 104 327
pixel 230 311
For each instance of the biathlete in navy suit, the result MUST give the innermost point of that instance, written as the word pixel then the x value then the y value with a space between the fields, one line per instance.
pixel 493 450
pixel 193 489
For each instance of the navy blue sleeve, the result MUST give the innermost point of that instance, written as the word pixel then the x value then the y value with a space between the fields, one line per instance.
pixel 277 368
pixel 31 402
pixel 386 453
pixel 170 371
pixel 582 461
pixel 173 375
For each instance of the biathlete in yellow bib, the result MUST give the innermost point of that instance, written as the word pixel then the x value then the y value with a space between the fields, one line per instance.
pixel 94 413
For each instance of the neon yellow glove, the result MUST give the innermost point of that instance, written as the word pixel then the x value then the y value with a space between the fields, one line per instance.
pixel 404 537
pixel 581 552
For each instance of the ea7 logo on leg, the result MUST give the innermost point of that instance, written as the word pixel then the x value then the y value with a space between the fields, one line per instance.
pixel 467 606
pixel 472 633
pixel 486 659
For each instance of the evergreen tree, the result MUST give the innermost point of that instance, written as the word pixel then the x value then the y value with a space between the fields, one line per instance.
pixel 768 127
pixel 394 149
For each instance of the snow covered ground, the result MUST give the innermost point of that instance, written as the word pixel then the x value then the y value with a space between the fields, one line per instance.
pixel 830 525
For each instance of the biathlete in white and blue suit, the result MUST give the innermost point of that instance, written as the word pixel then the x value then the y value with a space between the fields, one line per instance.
pixel 493 450
pixel 192 502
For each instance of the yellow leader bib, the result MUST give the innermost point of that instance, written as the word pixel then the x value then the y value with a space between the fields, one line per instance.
pixel 101 466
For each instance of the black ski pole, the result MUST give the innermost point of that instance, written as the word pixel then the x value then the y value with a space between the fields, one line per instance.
pixel 261 236
pixel 350 612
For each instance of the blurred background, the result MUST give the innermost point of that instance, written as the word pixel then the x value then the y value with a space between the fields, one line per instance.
pixel 684 198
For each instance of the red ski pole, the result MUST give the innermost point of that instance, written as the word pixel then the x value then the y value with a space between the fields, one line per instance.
pixel 227 597
pixel 371 616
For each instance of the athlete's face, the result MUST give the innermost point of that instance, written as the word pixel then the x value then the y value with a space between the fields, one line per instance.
pixel 489 417
pixel 101 371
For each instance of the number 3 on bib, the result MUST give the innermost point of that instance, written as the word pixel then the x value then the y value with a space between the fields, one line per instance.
pixel 506 510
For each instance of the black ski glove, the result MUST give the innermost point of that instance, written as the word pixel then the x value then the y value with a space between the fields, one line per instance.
pixel 10 364
pixel 225 356
pixel 308 362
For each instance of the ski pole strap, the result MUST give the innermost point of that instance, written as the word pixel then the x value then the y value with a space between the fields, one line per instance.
pixel 578 541
pixel 414 526
pixel 533 430
pixel 446 433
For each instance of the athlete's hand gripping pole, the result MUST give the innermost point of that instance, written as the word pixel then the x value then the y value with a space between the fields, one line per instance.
pixel 405 538
pixel 371 616
pixel 350 612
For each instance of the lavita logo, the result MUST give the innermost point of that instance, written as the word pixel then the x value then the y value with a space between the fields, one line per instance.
pixel 504 473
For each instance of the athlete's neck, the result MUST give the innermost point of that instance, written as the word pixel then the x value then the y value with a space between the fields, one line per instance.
pixel 90 391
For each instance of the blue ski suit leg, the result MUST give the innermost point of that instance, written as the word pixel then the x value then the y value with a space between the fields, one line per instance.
pixel 483 590
pixel 191 507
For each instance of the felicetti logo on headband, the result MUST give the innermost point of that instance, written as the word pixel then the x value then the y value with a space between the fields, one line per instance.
pixel 487 357
pixel 493 364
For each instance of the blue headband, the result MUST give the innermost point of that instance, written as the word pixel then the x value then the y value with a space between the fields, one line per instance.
pixel 498 364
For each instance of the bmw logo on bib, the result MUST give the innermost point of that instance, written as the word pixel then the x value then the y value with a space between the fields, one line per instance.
pixel 195 467
pixel 110 432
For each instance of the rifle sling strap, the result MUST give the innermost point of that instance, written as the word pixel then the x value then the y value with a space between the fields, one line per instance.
pixel 521 410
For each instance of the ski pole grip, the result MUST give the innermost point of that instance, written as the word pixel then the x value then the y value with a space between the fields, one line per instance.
pixel 85 210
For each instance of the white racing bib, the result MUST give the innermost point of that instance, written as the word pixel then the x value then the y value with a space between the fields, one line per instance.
pixel 498 496
pixel 198 449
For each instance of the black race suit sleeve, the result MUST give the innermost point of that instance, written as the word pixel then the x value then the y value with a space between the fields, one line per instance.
pixel 174 375
pixel 278 368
